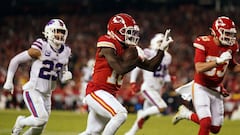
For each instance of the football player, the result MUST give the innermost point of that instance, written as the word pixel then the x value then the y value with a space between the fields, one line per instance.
pixel 87 76
pixel 106 113
pixel 50 57
pixel 152 84
pixel 213 55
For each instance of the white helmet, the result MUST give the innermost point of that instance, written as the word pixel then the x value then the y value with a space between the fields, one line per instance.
pixel 91 63
pixel 156 41
pixel 55 32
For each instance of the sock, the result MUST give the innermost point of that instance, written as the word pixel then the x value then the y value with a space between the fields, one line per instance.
pixel 194 118
pixel 205 125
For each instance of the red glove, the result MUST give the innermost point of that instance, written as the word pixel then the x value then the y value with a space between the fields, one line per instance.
pixel 134 88
pixel 224 92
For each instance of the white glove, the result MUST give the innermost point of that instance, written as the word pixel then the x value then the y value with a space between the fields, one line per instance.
pixel 141 54
pixel 224 57
pixel 66 75
pixel 166 41
pixel 8 85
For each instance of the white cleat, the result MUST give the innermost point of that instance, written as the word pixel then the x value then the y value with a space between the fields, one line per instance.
pixel 183 113
pixel 129 133
pixel 17 128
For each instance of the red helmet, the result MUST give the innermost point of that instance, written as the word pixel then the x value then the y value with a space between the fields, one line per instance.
pixel 224 29
pixel 124 28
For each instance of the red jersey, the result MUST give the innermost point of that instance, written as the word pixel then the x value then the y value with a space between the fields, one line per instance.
pixel 104 77
pixel 207 50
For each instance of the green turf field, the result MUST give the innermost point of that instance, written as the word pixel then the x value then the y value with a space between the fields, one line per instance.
pixel 71 123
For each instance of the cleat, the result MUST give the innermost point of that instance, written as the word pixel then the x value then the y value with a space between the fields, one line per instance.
pixel 140 123
pixel 183 113
pixel 17 128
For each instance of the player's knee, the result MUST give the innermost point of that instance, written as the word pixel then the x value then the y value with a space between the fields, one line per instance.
pixel 215 129
pixel 205 123
pixel 121 116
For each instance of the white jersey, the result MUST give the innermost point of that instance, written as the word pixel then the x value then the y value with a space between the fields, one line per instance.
pixel 46 70
pixel 153 80
pixel 87 73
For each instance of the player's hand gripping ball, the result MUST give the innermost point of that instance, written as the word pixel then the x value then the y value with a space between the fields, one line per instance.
pixel 130 54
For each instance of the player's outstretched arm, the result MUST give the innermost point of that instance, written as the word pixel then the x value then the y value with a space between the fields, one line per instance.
pixel 14 63
pixel 152 64
pixel 162 46
pixel 120 65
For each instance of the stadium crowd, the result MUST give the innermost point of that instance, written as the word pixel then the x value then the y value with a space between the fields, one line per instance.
pixel 185 21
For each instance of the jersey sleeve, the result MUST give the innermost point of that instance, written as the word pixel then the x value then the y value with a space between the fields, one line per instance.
pixel 199 43
pixel 199 50
pixel 37 44
pixel 105 41
pixel 199 56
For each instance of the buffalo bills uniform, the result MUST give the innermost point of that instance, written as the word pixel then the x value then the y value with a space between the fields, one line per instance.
pixel 49 59
pixel 43 78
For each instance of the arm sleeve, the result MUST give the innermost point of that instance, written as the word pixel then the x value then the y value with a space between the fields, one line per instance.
pixel 134 74
pixel 199 56
pixel 14 63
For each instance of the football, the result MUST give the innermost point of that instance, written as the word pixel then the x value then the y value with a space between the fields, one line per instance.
pixel 130 53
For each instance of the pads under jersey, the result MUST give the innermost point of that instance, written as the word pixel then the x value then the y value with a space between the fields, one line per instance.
pixel 207 50
pixel 45 70
pixel 104 77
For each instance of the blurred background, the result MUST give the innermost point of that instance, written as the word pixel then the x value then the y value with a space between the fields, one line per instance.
pixel 22 21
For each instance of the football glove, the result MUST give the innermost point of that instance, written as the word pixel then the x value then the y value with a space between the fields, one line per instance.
pixel 8 85
pixel 166 41
pixel 224 57
pixel 66 75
